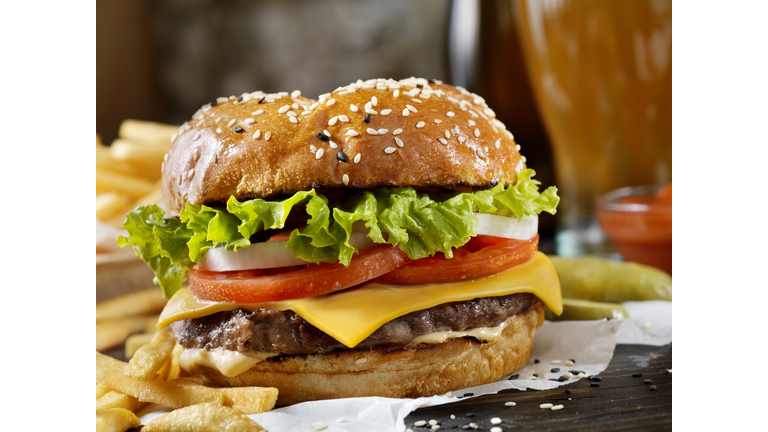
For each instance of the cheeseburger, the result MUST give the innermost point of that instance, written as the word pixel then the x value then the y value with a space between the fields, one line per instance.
pixel 379 241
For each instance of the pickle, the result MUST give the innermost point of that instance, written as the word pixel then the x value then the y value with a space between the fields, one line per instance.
pixel 604 280
pixel 583 310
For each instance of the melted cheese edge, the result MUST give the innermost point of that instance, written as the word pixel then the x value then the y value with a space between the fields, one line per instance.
pixel 350 316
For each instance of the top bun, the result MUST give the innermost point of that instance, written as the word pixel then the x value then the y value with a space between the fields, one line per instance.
pixel 420 133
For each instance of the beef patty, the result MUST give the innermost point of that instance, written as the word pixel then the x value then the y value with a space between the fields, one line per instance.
pixel 288 333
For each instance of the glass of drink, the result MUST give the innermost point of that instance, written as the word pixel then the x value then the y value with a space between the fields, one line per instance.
pixel 601 73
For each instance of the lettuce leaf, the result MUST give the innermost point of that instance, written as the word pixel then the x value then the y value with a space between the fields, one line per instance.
pixel 418 224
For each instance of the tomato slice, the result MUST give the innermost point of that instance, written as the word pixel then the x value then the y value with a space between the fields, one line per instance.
pixel 482 256
pixel 311 280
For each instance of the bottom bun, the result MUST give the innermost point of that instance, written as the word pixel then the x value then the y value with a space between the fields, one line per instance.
pixel 409 372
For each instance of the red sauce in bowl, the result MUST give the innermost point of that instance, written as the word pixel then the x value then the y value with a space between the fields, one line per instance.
pixel 639 222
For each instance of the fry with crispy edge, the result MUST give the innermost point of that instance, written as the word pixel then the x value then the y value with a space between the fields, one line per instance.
pixel 182 392
pixel 151 357
pixel 115 420
pixel 115 399
pixel 203 417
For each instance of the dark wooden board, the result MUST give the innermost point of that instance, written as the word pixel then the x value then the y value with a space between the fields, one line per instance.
pixel 621 403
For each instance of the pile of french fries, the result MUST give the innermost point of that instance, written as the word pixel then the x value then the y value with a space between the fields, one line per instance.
pixel 128 172
pixel 153 375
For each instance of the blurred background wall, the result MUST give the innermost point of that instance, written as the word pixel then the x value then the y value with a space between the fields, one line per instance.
pixel 162 60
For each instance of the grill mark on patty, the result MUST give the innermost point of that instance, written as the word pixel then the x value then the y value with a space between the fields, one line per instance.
pixel 288 333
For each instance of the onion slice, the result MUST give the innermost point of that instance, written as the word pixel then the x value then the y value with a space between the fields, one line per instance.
pixel 507 227
pixel 264 255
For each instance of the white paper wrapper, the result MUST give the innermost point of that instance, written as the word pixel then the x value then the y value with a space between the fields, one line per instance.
pixel 590 343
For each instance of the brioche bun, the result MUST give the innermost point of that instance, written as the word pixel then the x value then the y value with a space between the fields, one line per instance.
pixel 412 371
pixel 248 147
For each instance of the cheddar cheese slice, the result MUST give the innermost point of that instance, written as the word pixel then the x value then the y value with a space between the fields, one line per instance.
pixel 350 316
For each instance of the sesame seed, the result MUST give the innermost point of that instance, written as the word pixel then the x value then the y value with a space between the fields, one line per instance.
pixel 332 144
pixel 367 118
pixel 372 131
pixel 456 130
pixel 296 93
pixel 536 361
pixel 399 142
pixel 319 153
pixel 420 423
pixel 314 105
pixel 390 150
pixel 293 119
pixel 447 134
pixel 557 407
pixel 218 130
pixel 433 422
pixel 471 122
pixel 330 102
pixel 353 108
pixel 231 122
pixel 510 404
pixel 374 101
pixel 637 374
pixel 443 141
pixel 450 114
pixel 249 121
pixel 259 112
pixel 438 121
pixel 222 99
pixel 368 105
pixel 396 93
pixel 262 99
pixel 553 370
pixel 397 131
pixel 462 139
pixel 312 148
pixel 495 420
pixel 284 108
pixel 382 131
pixel 514 377
pixel 357 158
pixel 647 325
pixel 567 362
pixel 517 147
pixel 341 156
pixel 556 362
pixel 496 429
pixel 545 406
pixel 410 107
pixel 594 384
pixel 342 419
pixel 343 118
pixel 420 124
pixel 352 133
pixel 333 121
pixel 406 112
pixel 568 375
pixel 386 111
pixel 416 100
pixel 595 378
pixel 370 111
pixel 653 387
pixel 267 135
pixel 477 132
pixel 327 133
pixel 290 114
pixel 647 381
pixel 323 136
pixel 345 180
pixel 669 371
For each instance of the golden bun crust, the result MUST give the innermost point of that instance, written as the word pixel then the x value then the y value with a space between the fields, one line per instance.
pixel 435 135
pixel 413 372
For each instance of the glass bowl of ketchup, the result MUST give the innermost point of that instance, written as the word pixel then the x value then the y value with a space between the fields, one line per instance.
pixel 639 222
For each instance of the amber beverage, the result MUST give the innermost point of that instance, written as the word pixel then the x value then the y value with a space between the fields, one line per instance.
pixel 601 72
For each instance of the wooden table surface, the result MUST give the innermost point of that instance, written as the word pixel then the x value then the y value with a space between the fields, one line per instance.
pixel 622 402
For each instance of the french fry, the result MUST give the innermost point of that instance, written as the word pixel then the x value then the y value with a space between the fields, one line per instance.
pixel 153 197
pixel 104 160
pixel 145 302
pixel 148 156
pixel 101 390
pixel 112 333
pixel 147 132
pixel 182 392
pixel 114 399
pixel 151 357
pixel 136 341
pixel 116 420
pixel 111 204
pixel 204 417
pixel 112 181
pixel 175 370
